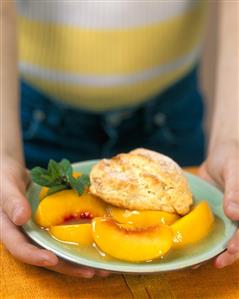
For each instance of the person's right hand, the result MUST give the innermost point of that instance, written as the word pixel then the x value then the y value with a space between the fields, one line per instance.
pixel 15 211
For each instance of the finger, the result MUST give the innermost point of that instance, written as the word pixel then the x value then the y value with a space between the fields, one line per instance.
pixel 196 266
pixel 225 259
pixel 24 251
pixel 14 203
pixel 203 173
pixel 233 246
pixel 231 198
pixel 103 273
pixel 72 270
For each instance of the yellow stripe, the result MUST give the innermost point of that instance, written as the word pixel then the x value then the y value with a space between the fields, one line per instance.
pixel 77 50
pixel 101 98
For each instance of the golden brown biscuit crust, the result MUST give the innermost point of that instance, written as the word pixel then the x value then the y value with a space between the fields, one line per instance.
pixel 142 180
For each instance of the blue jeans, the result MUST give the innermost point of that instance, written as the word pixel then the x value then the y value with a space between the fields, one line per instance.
pixel 170 123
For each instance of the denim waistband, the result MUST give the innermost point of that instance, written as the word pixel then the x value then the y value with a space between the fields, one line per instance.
pixel 164 119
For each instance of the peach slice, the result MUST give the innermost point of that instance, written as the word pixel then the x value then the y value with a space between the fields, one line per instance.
pixel 43 190
pixel 131 244
pixel 141 218
pixel 76 233
pixel 67 204
pixel 194 226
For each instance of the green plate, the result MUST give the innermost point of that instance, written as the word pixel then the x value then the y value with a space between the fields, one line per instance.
pixel 211 246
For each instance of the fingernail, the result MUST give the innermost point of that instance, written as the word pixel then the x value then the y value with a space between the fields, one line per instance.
pixel 47 261
pixel 196 266
pixel 104 273
pixel 233 248
pixel 17 214
pixel 85 273
pixel 89 275
pixel 219 264
pixel 233 207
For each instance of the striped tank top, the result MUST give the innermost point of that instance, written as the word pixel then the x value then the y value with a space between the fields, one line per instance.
pixel 101 55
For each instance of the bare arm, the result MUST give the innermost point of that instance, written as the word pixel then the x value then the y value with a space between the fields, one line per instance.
pixel 226 111
pixel 222 163
pixel 14 208
pixel 10 130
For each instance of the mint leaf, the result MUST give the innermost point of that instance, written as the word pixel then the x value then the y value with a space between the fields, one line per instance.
pixel 80 183
pixel 59 176
pixel 84 178
pixel 54 170
pixel 41 177
pixel 77 185
pixel 65 168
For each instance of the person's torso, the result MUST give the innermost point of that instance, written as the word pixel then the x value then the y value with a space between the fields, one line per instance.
pixel 107 54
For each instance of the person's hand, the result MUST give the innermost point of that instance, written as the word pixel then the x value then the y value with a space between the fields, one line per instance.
pixel 14 212
pixel 222 168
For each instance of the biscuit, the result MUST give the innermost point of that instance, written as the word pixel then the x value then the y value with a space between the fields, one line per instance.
pixel 142 180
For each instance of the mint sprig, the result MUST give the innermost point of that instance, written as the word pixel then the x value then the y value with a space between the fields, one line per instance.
pixel 59 176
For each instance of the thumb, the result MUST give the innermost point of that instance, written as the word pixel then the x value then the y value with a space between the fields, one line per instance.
pixel 203 172
pixel 14 203
pixel 231 198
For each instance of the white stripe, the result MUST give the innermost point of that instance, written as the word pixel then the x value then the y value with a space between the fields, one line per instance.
pixel 108 80
pixel 103 14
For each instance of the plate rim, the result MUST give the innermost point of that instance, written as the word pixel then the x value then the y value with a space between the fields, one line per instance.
pixel 135 267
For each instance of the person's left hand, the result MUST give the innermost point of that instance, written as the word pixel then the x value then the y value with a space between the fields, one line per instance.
pixel 222 168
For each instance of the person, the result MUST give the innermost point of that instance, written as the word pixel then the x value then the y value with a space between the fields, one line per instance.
pixel 98 78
